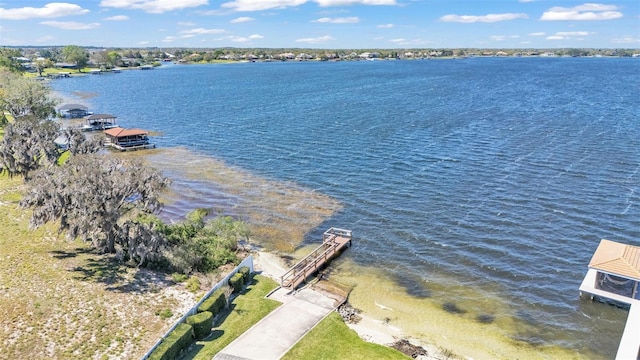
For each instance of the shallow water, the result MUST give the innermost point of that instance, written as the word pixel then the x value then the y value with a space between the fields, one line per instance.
pixel 483 183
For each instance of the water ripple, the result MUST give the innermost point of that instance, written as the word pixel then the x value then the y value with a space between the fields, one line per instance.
pixel 493 174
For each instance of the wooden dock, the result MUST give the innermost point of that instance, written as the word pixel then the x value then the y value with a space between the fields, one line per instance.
pixel 334 241
pixel 629 348
pixel 130 148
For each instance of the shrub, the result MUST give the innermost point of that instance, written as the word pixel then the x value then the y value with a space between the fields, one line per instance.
pixel 164 313
pixel 179 278
pixel 246 273
pixel 213 303
pixel 203 246
pixel 237 282
pixel 202 324
pixel 193 284
pixel 177 340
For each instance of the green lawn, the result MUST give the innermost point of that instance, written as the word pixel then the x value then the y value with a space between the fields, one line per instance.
pixel 246 310
pixel 332 339
pixel 61 300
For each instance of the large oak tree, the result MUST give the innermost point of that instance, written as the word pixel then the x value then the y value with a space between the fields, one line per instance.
pixel 24 97
pixel 27 145
pixel 95 198
pixel 28 141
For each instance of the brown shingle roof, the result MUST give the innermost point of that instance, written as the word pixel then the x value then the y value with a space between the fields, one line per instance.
pixel 617 259
pixel 119 132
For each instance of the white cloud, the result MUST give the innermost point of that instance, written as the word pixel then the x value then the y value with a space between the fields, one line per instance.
pixel 258 5
pixel 526 1
pixel 201 31
pixel 153 6
pixel 242 19
pixel 402 41
pixel 626 40
pixel 327 3
pixel 186 23
pixel 582 12
pixel 490 18
pixel 71 25
pixel 318 40
pixel 344 20
pixel 503 37
pixel 536 34
pixel 169 39
pixel 45 39
pixel 50 10
pixel 573 33
pixel 566 35
pixel 116 18
pixel 241 39
pixel 385 26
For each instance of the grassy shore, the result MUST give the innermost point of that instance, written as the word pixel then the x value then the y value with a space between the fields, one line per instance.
pixel 332 339
pixel 58 299
pixel 246 310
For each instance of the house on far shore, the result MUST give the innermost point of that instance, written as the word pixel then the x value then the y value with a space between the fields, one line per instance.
pixel 128 139
pixel 73 111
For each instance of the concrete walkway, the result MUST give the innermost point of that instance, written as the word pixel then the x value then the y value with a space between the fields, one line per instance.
pixel 274 335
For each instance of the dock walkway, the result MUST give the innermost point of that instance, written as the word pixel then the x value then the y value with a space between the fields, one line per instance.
pixel 334 240
pixel 275 335
pixel 629 348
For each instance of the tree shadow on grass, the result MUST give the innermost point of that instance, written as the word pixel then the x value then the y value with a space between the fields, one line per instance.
pixel 195 349
pixel 63 254
pixel 100 269
pixel 117 276
pixel 223 315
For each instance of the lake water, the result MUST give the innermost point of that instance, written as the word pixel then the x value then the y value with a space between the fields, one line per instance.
pixel 481 185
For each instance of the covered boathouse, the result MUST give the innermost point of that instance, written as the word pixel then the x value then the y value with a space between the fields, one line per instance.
pixel 614 276
pixel 73 111
pixel 100 122
pixel 127 139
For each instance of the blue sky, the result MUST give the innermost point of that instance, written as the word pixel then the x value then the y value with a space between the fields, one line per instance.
pixel 350 24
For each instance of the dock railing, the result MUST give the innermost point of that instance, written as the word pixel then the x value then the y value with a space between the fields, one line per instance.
pixel 337 232
pixel 318 257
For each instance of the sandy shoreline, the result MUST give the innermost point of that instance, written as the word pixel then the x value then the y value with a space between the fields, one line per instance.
pixel 368 328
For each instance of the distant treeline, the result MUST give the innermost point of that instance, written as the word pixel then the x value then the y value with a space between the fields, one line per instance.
pixel 125 57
